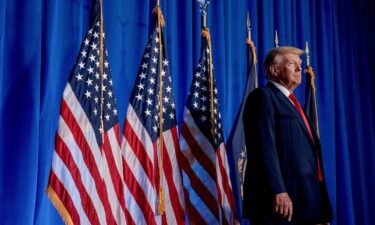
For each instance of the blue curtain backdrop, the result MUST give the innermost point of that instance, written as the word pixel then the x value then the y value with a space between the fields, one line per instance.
pixel 40 40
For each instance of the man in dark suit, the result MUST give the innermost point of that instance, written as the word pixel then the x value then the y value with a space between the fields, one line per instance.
pixel 284 181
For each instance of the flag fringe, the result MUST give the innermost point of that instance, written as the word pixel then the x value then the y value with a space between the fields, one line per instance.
pixel 54 198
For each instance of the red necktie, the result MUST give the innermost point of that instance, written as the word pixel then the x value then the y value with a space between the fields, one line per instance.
pixel 299 109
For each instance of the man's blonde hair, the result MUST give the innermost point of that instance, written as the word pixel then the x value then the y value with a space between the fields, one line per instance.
pixel 273 57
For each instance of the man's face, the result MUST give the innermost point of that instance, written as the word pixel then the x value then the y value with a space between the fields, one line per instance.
pixel 288 71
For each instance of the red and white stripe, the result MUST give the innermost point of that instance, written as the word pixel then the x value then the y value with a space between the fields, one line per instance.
pixel 224 184
pixel 140 165
pixel 208 191
pixel 86 177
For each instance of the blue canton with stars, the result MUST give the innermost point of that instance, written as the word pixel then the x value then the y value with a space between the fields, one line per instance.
pixel 199 99
pixel 145 94
pixel 85 81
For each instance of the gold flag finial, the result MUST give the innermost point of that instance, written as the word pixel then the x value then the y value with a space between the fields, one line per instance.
pixel 276 40
pixel 248 26
pixel 307 54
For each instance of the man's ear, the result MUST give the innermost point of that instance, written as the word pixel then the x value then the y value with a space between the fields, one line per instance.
pixel 274 71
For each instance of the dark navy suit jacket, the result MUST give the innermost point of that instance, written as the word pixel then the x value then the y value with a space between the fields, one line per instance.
pixel 282 157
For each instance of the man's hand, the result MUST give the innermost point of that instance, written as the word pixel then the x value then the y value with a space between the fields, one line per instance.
pixel 283 206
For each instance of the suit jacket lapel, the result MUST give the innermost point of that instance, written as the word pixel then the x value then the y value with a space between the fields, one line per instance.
pixel 292 108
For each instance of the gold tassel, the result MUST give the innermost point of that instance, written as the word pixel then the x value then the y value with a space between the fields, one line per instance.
pixel 206 34
pixel 159 13
pixel 161 202
pixel 101 48
pixel 252 46
pixel 59 206
pixel 310 72
pixel 161 198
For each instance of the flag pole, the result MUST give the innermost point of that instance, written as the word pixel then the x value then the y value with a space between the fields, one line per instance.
pixel 310 72
pixel 307 54
pixel 248 26
pixel 206 34
pixel 101 71
pixel 276 39
pixel 252 46
pixel 161 23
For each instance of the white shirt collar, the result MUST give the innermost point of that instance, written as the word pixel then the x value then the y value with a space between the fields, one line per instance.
pixel 283 89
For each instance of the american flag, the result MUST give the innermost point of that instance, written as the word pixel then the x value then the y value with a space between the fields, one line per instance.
pixel 208 190
pixel 85 182
pixel 141 143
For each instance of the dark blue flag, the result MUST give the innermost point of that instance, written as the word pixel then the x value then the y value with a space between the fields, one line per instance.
pixel 236 143
pixel 310 99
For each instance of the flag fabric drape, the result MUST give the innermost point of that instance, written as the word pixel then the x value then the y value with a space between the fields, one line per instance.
pixel 150 158
pixel 85 182
pixel 310 98
pixel 236 148
pixel 207 186
pixel 311 110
